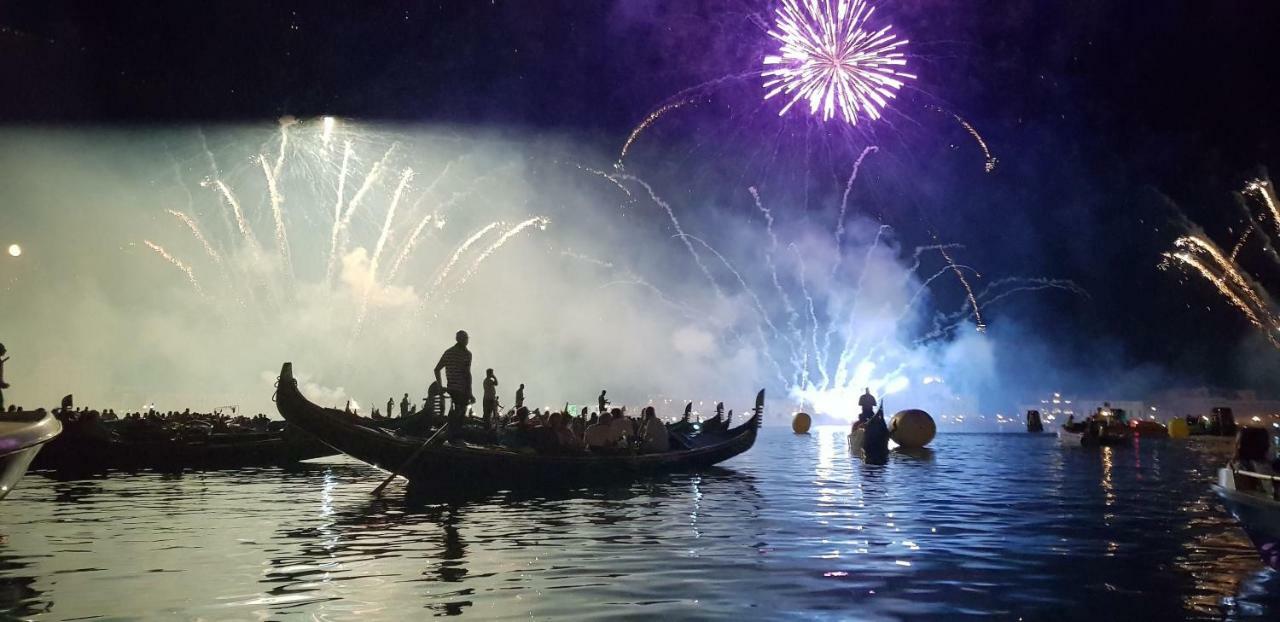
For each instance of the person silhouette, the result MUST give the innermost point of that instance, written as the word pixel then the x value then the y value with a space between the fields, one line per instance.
pixel 603 402
pixel 3 385
pixel 868 404
pixel 404 406
pixel 520 397
pixel 490 404
pixel 456 361
pixel 391 407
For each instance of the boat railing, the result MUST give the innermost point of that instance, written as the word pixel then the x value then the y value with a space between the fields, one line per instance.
pixel 1274 480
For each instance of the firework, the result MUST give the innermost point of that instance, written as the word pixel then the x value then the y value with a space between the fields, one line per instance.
pixel 830 57
pixel 177 263
pixel 644 125
pixel 989 161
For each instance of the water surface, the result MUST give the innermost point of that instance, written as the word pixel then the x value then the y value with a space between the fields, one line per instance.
pixel 990 526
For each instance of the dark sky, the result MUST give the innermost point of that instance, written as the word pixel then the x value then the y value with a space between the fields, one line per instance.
pixel 1101 112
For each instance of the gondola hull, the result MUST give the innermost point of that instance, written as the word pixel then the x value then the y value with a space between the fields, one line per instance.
pixel 81 450
pixel 465 464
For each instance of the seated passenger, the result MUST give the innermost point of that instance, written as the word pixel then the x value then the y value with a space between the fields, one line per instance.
pixel 653 433
pixel 600 435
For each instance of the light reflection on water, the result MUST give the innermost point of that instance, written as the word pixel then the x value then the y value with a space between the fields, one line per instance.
pixel 994 525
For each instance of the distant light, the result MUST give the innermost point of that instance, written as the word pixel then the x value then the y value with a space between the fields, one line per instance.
pixel 15 250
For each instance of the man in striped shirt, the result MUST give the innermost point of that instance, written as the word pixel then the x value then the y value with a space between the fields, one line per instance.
pixel 456 361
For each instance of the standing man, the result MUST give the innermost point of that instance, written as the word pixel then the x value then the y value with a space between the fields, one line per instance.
pixel 456 361
pixel 404 405
pixel 490 397
pixel 520 397
pixel 3 385
pixel 603 402
pixel 868 404
pixel 391 407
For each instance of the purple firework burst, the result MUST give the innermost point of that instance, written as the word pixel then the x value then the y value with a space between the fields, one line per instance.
pixel 832 59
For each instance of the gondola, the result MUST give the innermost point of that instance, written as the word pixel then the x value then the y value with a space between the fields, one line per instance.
pixel 22 435
pixel 467 463
pixel 90 446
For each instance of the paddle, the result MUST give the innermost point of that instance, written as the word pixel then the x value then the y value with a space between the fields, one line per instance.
pixel 377 492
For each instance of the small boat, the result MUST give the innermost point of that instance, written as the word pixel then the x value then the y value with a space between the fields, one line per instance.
pixel 1252 495
pixel 1034 424
pixel 22 435
pixel 870 438
pixel 453 464
pixel 1086 435
pixel 89 445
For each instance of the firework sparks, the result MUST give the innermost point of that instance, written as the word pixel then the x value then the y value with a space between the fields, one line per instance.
pixel 973 302
pixel 195 231
pixel 177 263
pixel 644 125
pixel 989 161
pixel 832 59
pixel 277 213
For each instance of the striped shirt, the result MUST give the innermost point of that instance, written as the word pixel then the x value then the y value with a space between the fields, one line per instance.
pixel 456 362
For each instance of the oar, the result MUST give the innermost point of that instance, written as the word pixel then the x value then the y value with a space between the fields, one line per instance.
pixel 377 492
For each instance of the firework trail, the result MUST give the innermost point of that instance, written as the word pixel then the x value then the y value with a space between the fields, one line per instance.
pixel 973 301
pixel 844 205
pixel 177 263
pixel 453 259
pixel 540 222
pixel 1262 188
pixel 234 203
pixel 340 226
pixel 285 124
pixel 1235 250
pixel 792 315
pixel 829 57
pixel 195 231
pixel 405 177
pixel 675 222
pixel 989 161
pixel 337 210
pixel 644 125
pixel 277 213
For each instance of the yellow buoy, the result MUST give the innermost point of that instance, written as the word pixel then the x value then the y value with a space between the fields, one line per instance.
pixel 1178 428
pixel 800 424
pixel 912 429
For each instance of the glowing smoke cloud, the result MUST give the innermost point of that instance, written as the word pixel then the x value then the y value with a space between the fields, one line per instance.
pixel 832 59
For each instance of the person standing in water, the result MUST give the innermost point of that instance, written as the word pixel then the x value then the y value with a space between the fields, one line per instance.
pixel 490 396
pixel 456 361
pixel 3 385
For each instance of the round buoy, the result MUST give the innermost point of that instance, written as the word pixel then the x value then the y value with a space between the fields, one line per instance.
pixel 1178 428
pixel 912 428
pixel 800 423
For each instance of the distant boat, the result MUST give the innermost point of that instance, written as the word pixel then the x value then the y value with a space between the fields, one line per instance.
pixel 1253 496
pixel 92 446
pixel 1094 433
pixel 22 434
pixel 469 464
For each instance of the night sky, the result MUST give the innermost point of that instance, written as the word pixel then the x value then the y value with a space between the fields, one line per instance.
pixel 1103 114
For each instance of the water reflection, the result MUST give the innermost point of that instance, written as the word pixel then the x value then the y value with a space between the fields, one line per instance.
pixel 997 526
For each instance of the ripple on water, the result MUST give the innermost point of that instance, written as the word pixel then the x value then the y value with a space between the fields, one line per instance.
pixel 982 525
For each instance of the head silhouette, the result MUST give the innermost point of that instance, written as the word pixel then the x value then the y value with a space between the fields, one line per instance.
pixel 2 350
pixel 489 372
pixel 462 338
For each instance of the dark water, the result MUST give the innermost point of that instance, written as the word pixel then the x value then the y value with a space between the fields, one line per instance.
pixel 991 526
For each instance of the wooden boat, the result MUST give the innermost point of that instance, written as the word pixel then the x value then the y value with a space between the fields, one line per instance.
pixel 870 439
pixel 90 446
pixel 1094 434
pixel 468 464
pixel 1250 489
pixel 22 435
